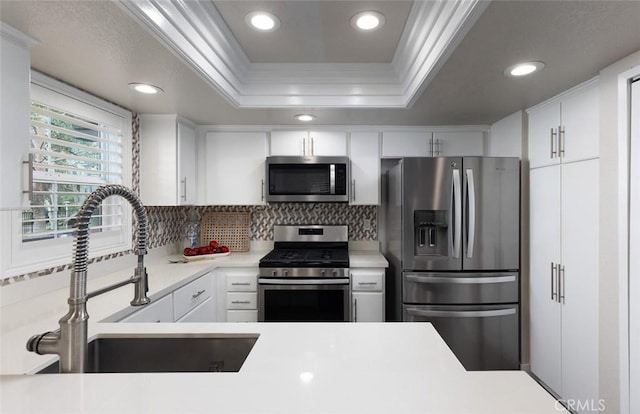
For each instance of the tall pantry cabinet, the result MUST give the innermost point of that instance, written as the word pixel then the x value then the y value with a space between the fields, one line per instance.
pixel 564 230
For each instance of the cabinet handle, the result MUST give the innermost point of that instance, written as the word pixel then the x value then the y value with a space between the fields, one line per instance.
pixel 304 146
pixel 561 138
pixel 312 151
pixel 240 284
pixel 353 189
pixel 553 146
pixel 29 190
pixel 184 188
pixel 554 295
pixel 437 147
pixel 262 190
pixel 431 151
pixel 355 310
pixel 367 283
pixel 200 292
pixel 241 302
pixel 561 284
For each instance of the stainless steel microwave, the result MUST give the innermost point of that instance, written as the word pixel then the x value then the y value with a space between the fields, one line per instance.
pixel 307 179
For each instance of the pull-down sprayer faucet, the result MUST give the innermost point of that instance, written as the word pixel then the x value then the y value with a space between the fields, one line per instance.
pixel 70 341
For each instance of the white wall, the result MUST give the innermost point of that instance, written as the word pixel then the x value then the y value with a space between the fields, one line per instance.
pixel 613 225
pixel 506 136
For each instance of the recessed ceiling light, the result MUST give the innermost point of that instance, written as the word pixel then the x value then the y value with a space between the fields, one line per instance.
pixel 522 69
pixel 368 20
pixel 305 117
pixel 262 21
pixel 145 88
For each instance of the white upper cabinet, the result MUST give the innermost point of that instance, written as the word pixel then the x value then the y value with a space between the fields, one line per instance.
pixel 458 143
pixel 167 161
pixel 15 65
pixel 364 153
pixel 441 143
pixel 566 128
pixel 406 144
pixel 308 143
pixel 235 168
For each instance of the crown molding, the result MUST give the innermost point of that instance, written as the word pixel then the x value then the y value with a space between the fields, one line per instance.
pixel 16 36
pixel 196 33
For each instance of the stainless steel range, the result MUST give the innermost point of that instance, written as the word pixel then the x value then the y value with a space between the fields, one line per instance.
pixel 305 278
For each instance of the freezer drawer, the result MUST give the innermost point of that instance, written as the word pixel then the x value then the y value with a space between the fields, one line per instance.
pixel 459 288
pixel 482 337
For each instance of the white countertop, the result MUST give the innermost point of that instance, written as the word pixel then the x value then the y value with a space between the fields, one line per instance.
pixel 345 367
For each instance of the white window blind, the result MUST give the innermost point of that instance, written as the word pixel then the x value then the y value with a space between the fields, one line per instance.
pixel 72 156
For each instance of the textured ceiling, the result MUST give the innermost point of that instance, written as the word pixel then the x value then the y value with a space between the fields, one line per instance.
pixel 98 47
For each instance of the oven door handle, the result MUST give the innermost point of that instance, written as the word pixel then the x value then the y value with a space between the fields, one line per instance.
pixel 461 314
pixel 338 281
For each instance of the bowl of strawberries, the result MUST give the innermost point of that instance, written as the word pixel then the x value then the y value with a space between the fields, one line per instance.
pixel 209 251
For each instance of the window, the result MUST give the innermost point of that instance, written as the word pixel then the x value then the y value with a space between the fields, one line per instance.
pixel 78 143
pixel 72 156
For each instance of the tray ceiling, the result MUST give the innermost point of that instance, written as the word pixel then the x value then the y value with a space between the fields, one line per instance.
pixel 427 32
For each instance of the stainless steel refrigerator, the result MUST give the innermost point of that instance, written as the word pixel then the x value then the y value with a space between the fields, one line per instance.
pixel 452 239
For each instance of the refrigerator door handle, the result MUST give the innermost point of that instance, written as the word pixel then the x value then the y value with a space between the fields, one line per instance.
pixel 456 212
pixel 460 280
pixel 461 314
pixel 471 210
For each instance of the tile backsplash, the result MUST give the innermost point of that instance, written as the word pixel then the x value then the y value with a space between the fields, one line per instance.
pixel 362 220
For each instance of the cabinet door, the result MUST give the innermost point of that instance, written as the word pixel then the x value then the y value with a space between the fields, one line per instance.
pixel 580 131
pixel 365 168
pixel 235 168
pixel 288 143
pixel 545 322
pixel 187 188
pixel 327 143
pixel 160 310
pixel 579 284
pixel 14 122
pixel 406 144
pixel 461 143
pixel 543 135
pixel 367 306
pixel 158 160
pixel 205 312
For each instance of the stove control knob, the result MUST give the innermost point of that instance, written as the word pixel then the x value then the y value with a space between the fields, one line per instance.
pixel 335 273
pixel 275 273
pixel 286 273
pixel 322 272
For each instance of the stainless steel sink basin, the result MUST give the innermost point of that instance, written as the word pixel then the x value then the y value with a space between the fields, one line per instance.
pixel 193 353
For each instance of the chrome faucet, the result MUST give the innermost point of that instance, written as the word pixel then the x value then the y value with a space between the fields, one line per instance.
pixel 70 341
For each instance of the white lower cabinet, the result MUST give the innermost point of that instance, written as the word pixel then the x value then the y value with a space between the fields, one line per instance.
pixel 160 310
pixel 367 295
pixel 193 302
pixel 238 298
pixel 564 279
pixel 204 312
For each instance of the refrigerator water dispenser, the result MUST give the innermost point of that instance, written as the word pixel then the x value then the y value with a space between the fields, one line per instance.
pixel 430 232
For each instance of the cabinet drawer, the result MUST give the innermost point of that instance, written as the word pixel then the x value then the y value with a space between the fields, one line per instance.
pixel 191 295
pixel 242 316
pixel 160 310
pixel 236 300
pixel 242 283
pixel 367 280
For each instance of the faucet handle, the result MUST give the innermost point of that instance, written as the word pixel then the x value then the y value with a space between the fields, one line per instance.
pixel 141 287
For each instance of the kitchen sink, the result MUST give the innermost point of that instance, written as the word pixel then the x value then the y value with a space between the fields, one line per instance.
pixel 142 353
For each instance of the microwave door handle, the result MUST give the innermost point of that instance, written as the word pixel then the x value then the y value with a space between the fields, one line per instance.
pixel 332 178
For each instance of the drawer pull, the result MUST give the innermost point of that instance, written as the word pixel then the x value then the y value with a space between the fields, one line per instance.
pixel 200 292
pixel 241 302
pixel 240 284
pixel 367 283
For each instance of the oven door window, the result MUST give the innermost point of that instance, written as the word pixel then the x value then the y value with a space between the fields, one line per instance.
pixel 306 179
pixel 304 303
